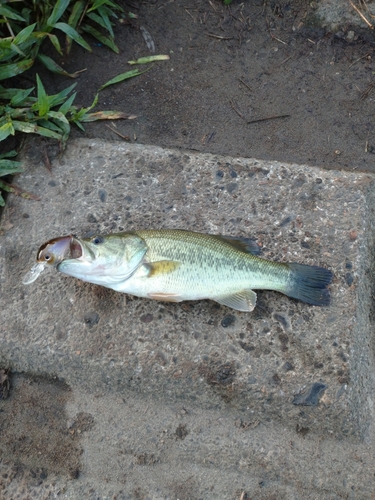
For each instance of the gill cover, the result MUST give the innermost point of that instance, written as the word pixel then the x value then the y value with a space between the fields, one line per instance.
pixel 104 260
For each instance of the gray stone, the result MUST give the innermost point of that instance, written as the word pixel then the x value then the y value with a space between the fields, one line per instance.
pixel 236 375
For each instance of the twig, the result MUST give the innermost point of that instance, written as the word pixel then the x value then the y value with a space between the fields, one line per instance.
pixel 220 37
pixel 285 60
pixel 366 55
pixel 236 110
pixel 361 15
pixel 9 27
pixel 246 85
pixel 268 118
pixel 125 137
pixel 83 13
pixel 278 39
pixel 367 91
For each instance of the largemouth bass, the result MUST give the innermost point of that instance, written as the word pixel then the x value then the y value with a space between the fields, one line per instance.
pixel 176 265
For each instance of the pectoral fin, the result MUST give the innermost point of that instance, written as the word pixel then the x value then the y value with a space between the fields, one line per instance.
pixel 160 267
pixel 244 300
pixel 166 297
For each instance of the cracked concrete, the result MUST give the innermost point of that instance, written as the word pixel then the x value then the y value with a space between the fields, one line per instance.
pixel 190 400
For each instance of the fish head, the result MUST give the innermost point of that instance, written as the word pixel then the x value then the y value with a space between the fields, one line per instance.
pixel 104 260
pixel 54 251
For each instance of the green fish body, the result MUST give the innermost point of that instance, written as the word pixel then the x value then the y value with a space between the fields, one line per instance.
pixel 177 265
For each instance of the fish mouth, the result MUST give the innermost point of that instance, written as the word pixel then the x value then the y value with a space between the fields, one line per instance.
pixel 82 250
pixel 76 249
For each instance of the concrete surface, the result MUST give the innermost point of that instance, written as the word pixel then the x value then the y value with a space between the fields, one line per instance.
pixel 338 14
pixel 114 396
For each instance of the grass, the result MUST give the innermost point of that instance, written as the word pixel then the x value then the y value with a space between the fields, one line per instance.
pixel 26 26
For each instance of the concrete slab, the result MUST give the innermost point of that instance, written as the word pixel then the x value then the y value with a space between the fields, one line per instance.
pixel 191 400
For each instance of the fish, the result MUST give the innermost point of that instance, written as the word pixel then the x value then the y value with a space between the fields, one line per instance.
pixel 177 265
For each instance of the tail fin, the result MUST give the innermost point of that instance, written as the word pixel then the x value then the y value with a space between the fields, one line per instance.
pixel 309 284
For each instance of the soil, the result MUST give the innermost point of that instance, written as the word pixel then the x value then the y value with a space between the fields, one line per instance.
pixel 256 79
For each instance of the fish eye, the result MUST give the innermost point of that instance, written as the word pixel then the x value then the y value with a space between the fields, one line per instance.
pixel 97 240
pixel 47 256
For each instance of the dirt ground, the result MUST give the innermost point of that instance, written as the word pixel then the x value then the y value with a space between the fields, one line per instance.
pixel 258 79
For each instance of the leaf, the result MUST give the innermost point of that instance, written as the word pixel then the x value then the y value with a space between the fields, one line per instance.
pixel 6 130
pixel 103 22
pixel 30 128
pixel 12 188
pixel 74 17
pixel 77 115
pixel 123 76
pixel 65 107
pixel 9 70
pixel 103 115
pixel 59 98
pixel 19 98
pixel 54 67
pixel 150 59
pixel 58 11
pixel 43 101
pixel 8 167
pixel 103 39
pixel 55 42
pixel 98 3
pixel 10 13
pixel 24 34
pixel 9 154
pixel 72 33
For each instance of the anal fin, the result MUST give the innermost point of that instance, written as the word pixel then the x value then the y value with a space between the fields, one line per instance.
pixel 245 300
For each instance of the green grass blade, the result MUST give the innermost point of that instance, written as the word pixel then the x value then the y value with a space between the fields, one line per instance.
pixel 9 154
pixel 123 76
pixel 72 33
pixel 9 167
pixel 19 98
pixel 10 13
pixel 103 39
pixel 58 11
pixel 98 3
pixel 24 34
pixel 14 69
pixel 65 108
pixel 17 50
pixel 54 67
pixel 76 13
pixel 6 130
pixel 59 98
pixel 150 59
pixel 74 17
pixel 55 42
pixel 30 128
pixel 103 22
pixel 43 101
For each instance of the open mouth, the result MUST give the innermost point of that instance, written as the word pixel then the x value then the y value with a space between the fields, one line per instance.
pixel 76 250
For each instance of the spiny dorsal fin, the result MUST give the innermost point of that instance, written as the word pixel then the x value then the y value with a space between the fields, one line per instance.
pixel 161 267
pixel 246 245
pixel 244 300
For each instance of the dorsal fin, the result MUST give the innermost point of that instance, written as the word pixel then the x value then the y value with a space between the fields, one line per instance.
pixel 246 245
